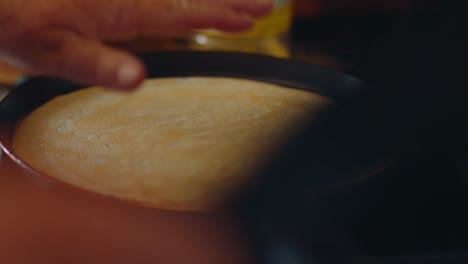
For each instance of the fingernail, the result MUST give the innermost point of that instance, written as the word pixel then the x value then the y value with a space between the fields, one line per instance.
pixel 128 74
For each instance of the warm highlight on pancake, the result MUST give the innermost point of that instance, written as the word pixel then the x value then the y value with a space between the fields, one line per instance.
pixel 176 143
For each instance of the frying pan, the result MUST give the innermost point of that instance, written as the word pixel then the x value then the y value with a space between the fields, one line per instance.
pixel 287 211
pixel 328 162
pixel 288 208
pixel 342 87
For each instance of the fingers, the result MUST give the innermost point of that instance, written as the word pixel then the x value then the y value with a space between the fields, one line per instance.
pixel 251 7
pixel 248 7
pixel 227 15
pixel 213 17
pixel 63 47
pixel 67 55
pixel 170 17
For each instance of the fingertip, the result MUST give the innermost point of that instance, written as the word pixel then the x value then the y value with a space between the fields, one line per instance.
pixel 130 74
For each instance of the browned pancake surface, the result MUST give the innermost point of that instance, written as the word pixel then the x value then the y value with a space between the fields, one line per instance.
pixel 176 143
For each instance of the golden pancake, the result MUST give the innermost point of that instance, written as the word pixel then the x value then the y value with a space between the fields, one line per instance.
pixel 176 143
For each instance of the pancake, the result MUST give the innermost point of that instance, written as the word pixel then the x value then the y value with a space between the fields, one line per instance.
pixel 176 143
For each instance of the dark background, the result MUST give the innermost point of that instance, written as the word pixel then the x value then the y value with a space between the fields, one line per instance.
pixel 415 111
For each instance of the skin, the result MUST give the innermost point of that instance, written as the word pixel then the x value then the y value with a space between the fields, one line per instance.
pixel 63 38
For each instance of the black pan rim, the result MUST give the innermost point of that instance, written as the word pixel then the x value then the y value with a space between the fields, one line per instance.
pixel 32 92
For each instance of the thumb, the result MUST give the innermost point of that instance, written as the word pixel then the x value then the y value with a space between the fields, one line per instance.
pixel 73 57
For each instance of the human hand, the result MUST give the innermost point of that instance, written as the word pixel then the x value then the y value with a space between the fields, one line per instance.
pixel 63 38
